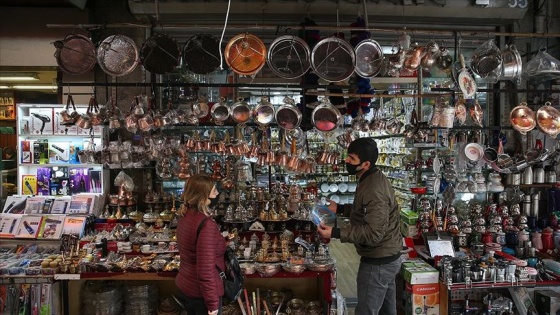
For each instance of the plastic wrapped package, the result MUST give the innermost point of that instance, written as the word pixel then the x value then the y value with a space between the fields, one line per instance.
pixel 101 298
pixel 141 300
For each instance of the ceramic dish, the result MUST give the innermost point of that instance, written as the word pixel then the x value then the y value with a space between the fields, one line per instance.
pixel 333 188
pixel 343 187
pixel 325 187
pixel 474 151
pixel 335 198
pixel 352 187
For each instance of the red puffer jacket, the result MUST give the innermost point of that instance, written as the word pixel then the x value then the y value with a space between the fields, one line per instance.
pixel 198 276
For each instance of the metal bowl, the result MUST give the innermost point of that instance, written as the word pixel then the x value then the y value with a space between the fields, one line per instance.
pixel 320 267
pixel 268 270
pixel 248 268
pixel 293 268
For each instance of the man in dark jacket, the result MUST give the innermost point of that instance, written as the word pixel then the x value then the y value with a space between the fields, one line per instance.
pixel 374 231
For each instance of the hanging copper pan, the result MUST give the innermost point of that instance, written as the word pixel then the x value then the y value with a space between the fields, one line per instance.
pixel 288 116
pixel 245 54
pixel 288 57
pixel 117 55
pixel 201 54
pixel 75 54
pixel 522 118
pixel 160 54
pixel 548 120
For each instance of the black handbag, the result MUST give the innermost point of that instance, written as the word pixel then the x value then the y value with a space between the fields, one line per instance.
pixel 233 277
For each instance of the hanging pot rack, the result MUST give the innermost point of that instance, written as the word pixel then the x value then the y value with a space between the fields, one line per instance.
pixel 254 27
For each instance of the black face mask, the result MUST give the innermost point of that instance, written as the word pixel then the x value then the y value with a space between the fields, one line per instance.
pixel 213 202
pixel 352 169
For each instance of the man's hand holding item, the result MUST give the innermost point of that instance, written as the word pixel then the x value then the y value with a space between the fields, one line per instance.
pixel 324 230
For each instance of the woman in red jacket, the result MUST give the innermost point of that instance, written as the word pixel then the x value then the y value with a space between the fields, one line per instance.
pixel 198 279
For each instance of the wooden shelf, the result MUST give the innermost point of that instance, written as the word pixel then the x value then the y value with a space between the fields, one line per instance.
pixel 7 119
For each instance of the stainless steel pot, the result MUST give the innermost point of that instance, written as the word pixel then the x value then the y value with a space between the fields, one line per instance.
pixel 240 111
pixel 263 114
pixel 325 116
pixel 288 116
pixel 369 58
pixel 512 64
pixel 220 112
pixel 486 59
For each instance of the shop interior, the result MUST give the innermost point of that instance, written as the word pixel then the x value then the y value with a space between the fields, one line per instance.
pixel 108 107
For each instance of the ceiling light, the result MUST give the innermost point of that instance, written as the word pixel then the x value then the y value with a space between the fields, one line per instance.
pixel 18 76
pixel 29 87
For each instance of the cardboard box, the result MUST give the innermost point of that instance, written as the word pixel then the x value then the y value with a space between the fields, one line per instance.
pixel 15 204
pixel 26 152
pixel 41 121
pixel 29 226
pixel 417 271
pixel 59 152
pixel 522 300
pixel 409 230
pixel 60 129
pixel 43 181
pixel 9 224
pixel 51 227
pixel 421 299
pixel 74 225
pixel 29 185
pixel 41 151
pixel 60 205
pixel 409 216
pixel 34 204
pixel 547 302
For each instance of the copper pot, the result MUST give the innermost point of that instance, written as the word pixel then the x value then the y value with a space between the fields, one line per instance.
pixel 548 120
pixel 522 118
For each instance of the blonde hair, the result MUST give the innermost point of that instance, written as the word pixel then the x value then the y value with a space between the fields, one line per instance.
pixel 195 194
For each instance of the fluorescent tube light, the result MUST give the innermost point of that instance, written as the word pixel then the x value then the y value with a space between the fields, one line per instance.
pixel 29 87
pixel 18 76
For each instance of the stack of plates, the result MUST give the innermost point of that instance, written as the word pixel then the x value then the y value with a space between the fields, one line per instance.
pixel 141 300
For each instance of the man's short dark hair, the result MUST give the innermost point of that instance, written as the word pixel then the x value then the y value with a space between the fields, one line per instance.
pixel 365 149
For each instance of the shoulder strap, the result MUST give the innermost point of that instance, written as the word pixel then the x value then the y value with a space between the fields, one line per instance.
pixel 200 226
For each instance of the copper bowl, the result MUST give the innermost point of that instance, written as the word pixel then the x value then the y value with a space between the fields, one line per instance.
pixel 548 120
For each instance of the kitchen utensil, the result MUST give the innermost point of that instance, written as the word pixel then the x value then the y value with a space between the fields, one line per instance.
pixel 75 54
pixel 477 113
pixel 543 67
pixel 487 59
pixel 325 116
pixel 263 114
pixel 466 81
pixel 240 111
pixel 369 58
pixel 288 116
pixel 117 55
pixel 201 54
pixel 160 54
pixel 220 112
pixel 512 64
pixel 289 57
pixel 522 118
pixel 245 54
pixel 473 151
pixel 548 120
pixel 333 59
pixel 430 58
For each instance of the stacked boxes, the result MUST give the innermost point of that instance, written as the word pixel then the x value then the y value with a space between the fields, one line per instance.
pixel 421 289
